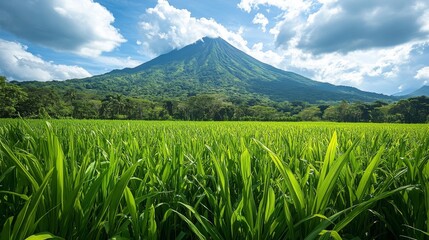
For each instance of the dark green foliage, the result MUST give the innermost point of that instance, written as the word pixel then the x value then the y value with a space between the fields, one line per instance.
pixel 311 114
pixel 413 110
pixel 10 96
pixel 44 103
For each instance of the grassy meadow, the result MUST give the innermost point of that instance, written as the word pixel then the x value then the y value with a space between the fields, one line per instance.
pixel 70 179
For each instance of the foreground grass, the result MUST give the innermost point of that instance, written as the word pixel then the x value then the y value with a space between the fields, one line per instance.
pixel 225 180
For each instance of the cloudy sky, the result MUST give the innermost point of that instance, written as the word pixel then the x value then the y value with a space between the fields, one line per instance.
pixel 374 45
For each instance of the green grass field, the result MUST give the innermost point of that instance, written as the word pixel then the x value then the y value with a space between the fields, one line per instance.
pixel 213 180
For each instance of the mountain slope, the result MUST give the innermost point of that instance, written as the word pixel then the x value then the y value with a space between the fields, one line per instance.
pixel 423 91
pixel 214 66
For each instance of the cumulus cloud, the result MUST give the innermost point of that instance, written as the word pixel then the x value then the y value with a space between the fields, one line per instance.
pixel 16 63
pixel 346 26
pixel 261 20
pixel 370 44
pixel 293 17
pixel 293 7
pixel 267 56
pixel 117 62
pixel 422 73
pixel 83 27
pixel 376 70
pixel 354 68
pixel 165 27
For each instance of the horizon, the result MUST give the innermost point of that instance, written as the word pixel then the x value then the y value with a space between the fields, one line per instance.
pixel 386 52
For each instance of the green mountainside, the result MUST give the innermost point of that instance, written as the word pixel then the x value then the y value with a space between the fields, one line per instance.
pixel 211 65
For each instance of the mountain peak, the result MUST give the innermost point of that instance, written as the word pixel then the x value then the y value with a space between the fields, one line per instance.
pixel 212 65
pixel 207 41
pixel 207 38
pixel 204 41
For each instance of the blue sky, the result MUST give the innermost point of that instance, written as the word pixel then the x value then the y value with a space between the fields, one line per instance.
pixel 374 45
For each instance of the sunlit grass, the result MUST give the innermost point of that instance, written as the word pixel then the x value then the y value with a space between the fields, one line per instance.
pixel 212 180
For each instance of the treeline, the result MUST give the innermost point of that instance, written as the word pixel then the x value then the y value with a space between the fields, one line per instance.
pixel 48 103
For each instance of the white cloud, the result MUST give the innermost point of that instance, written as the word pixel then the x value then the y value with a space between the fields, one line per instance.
pixel 165 27
pixel 371 70
pixel 117 62
pixel 422 73
pixel 345 43
pixel 292 7
pixel 269 56
pixel 346 26
pixel 16 63
pixel 83 27
pixel 262 20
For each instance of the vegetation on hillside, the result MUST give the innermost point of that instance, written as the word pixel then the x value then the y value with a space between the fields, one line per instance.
pixel 210 66
pixel 45 102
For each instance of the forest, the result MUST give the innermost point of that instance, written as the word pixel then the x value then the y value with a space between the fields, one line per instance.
pixel 47 102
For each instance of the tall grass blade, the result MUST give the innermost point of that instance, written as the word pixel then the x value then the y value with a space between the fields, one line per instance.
pixel 43 236
pixel 365 180
pixel 19 165
pixel 290 180
pixel 26 217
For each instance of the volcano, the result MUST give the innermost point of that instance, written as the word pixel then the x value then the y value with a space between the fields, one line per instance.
pixel 212 65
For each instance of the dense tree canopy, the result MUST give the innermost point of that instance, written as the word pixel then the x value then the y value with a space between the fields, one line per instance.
pixel 48 102
pixel 10 96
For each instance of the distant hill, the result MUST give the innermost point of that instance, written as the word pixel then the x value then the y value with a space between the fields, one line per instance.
pixel 212 65
pixel 401 94
pixel 423 91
